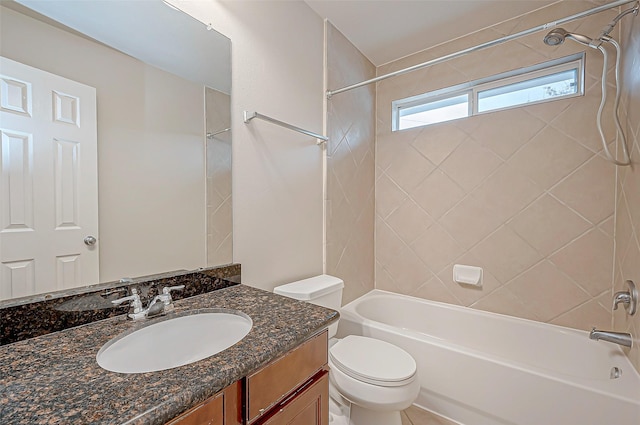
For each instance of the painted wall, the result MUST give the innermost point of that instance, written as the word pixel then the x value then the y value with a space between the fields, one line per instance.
pixel 277 61
pixel 350 167
pixel 627 257
pixel 524 193
pixel 150 148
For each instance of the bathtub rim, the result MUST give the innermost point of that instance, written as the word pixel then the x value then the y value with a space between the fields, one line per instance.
pixel 349 310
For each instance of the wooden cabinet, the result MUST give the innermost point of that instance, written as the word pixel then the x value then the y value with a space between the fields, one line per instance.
pixel 223 408
pixel 276 381
pixel 307 406
pixel 291 390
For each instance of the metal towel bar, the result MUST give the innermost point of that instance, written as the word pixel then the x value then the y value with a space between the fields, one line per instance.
pixel 248 116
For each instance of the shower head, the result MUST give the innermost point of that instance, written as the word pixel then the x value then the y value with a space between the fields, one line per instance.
pixel 557 35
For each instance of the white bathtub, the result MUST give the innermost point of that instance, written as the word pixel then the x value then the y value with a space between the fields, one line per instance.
pixel 479 368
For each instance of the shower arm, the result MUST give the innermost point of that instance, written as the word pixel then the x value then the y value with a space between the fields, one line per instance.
pixel 607 29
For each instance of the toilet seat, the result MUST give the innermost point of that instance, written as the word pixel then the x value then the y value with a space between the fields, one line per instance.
pixel 373 361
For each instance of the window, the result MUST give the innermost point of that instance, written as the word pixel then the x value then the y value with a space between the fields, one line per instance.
pixel 556 79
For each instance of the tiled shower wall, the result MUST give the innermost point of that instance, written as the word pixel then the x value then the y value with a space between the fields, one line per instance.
pixel 523 193
pixel 350 167
pixel 627 237
pixel 219 215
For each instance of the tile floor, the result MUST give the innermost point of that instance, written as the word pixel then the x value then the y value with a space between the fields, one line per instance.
pixel 417 416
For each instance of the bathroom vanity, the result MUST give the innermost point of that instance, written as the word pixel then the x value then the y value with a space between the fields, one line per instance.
pixel 277 374
pixel 292 389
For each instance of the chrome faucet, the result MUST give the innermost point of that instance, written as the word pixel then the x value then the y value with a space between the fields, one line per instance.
pixel 135 301
pixel 619 338
pixel 160 304
pixel 629 298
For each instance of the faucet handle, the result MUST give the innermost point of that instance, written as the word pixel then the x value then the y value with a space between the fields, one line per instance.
pixel 169 289
pixel 166 293
pixel 134 298
pixel 629 298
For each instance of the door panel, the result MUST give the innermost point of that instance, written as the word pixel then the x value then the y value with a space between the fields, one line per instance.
pixel 49 181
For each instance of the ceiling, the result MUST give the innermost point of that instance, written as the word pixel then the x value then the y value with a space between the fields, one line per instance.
pixel 386 30
pixel 163 36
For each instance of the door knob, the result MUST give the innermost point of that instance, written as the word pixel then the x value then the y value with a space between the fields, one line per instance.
pixel 90 241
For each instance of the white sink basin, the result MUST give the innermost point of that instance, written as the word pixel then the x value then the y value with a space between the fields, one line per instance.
pixel 174 342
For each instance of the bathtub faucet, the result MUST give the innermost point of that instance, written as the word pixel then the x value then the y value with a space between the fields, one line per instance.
pixel 615 337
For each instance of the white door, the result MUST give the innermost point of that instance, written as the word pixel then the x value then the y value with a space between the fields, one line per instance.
pixel 49 182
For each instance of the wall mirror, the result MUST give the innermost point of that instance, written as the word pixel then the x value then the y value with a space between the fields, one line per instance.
pixel 116 143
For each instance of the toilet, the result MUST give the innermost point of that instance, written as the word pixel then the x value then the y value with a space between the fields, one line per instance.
pixel 375 377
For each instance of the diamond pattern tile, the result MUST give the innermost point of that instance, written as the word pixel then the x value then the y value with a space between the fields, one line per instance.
pixel 590 190
pixel 549 156
pixel 548 225
pixel 470 164
pixel 522 193
pixel 351 170
pixel 409 168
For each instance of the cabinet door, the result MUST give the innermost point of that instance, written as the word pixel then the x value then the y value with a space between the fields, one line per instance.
pixel 270 385
pixel 223 408
pixel 308 406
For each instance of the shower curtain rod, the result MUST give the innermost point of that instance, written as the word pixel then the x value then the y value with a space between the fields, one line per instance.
pixel 248 116
pixel 482 46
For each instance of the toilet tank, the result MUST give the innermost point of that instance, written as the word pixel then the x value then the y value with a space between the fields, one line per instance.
pixel 322 290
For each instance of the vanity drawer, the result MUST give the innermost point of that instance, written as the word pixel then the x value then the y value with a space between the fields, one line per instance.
pixel 309 405
pixel 273 382
pixel 223 408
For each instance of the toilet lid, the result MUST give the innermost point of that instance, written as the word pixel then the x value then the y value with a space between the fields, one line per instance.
pixel 373 361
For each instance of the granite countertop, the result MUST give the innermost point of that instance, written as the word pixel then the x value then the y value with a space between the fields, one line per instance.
pixel 54 379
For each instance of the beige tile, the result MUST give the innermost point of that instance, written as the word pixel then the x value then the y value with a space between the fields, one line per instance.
pixel 502 301
pixel 409 169
pixel 631 262
pixel 549 157
pixel 507 191
pixel 436 142
pixel 362 184
pixel 505 132
pixel 436 248
pixel 547 291
pixel 409 221
pixel 342 163
pixel 404 419
pixel 469 222
pixel 408 271
pixel 585 316
pixel 388 196
pixel 590 190
pixel 388 243
pixel 435 290
pixel 545 145
pixel 548 111
pixel 587 260
pixel 470 164
pixel 437 194
pixel 384 280
pixel 624 228
pixel 583 110
pixel 631 190
pixel 547 225
pixel 505 254
pixel 608 226
pixel 418 416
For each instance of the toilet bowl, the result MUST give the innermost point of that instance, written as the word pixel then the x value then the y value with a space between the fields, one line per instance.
pixel 375 377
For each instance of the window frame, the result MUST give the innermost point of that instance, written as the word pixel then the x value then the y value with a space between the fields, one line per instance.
pixel 473 88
